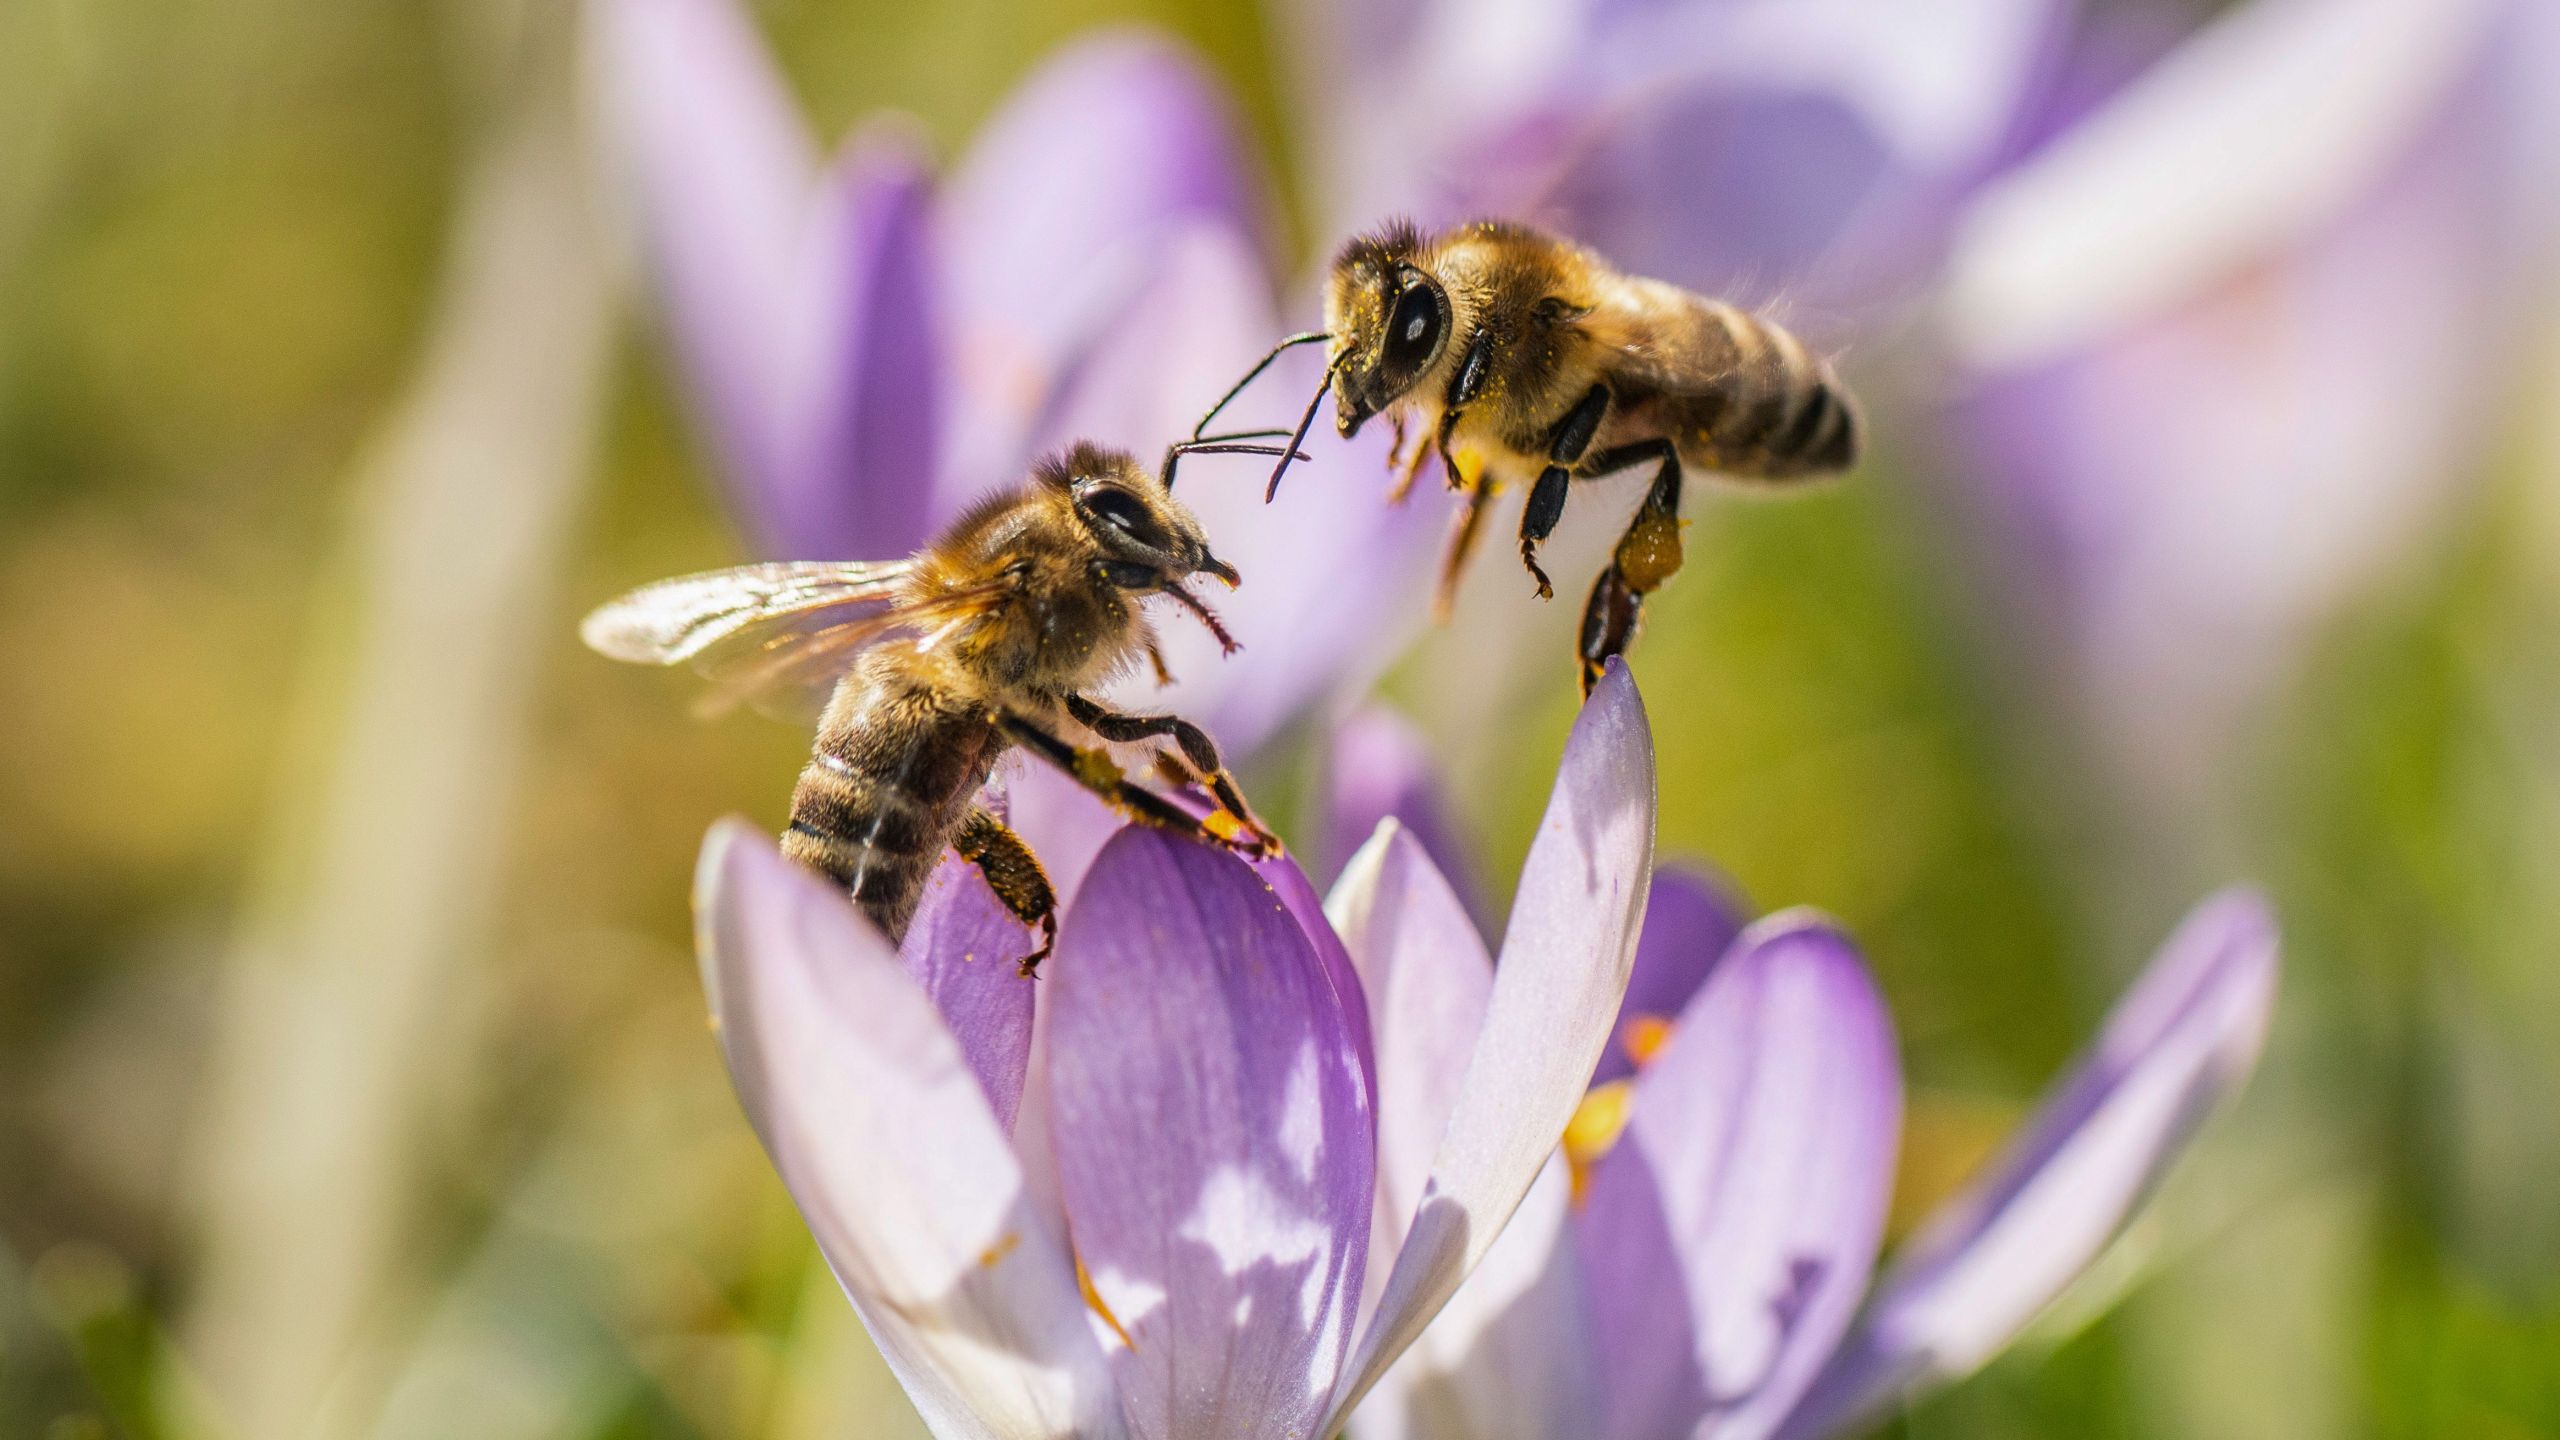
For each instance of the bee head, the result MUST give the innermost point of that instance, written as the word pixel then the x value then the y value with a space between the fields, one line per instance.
pixel 1389 317
pixel 1148 540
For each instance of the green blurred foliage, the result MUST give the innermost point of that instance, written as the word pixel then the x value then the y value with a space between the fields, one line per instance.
pixel 221 223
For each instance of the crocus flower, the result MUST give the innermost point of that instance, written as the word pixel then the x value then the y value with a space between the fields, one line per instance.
pixel 1704 1266
pixel 2236 342
pixel 1160 1193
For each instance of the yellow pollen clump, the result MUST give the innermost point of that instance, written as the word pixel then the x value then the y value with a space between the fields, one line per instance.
pixel 1646 1035
pixel 1594 1130
pixel 1095 768
pixel 1222 825
pixel 988 1257
pixel 1094 1302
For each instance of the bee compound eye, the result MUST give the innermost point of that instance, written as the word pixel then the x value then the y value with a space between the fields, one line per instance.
pixel 1413 325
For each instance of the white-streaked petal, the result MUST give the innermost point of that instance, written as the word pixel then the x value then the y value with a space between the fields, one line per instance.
pixel 1556 990
pixel 1510 1356
pixel 881 1132
pixel 2186 1034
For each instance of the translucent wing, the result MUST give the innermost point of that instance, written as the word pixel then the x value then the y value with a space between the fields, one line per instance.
pixel 674 621
pixel 775 636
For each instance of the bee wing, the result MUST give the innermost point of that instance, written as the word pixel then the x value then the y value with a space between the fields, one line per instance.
pixel 678 620
pixel 776 636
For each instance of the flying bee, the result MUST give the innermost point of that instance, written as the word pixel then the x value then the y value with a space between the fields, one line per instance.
pixel 933 666
pixel 1541 360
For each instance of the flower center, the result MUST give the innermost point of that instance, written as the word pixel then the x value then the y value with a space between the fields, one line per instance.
pixel 1594 1129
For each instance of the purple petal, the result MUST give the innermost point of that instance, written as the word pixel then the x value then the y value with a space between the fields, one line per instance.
pixel 882 1133
pixel 1727 1237
pixel 1427 976
pixel 1213 1146
pixel 962 949
pixel 1381 768
pixel 1059 211
pixel 863 410
pixel 1986 1262
pixel 1688 925
pixel 1556 991
pixel 725 175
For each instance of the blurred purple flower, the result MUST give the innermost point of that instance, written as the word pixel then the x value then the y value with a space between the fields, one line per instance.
pixel 1734 1187
pixel 2236 341
pixel 1146 1196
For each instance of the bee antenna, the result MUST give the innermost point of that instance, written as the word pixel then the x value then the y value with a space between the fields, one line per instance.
pixel 1218 445
pixel 1309 337
pixel 1300 434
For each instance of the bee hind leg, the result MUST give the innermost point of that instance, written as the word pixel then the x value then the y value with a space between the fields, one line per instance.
pixel 1096 771
pixel 1014 874
pixel 1647 554
pixel 1197 748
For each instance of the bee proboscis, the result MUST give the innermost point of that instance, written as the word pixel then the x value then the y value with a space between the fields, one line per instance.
pixel 935 665
pixel 1549 366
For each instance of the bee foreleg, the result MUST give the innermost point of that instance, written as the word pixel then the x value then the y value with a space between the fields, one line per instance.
pixel 1464 531
pixel 1094 770
pixel 1565 444
pixel 1194 742
pixel 1014 874
pixel 1647 554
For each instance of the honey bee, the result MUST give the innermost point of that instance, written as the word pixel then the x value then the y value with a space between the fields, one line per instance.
pixel 1534 357
pixel 933 666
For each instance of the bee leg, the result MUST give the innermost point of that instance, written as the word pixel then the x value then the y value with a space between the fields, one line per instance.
pixel 1196 747
pixel 1464 532
pixel 1647 554
pixel 1014 874
pixel 1094 770
pixel 1565 444
pixel 1155 662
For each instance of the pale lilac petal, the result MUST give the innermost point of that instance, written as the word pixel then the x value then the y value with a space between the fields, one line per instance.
pixel 962 948
pixel 1290 884
pixel 883 1135
pixel 1727 1238
pixel 1334 578
pixel 863 408
pixel 725 175
pixel 1213 1146
pixel 1688 925
pixel 1380 767
pixel 1556 990
pixel 2315 370
pixel 1986 1262
pixel 1427 976
pixel 1059 211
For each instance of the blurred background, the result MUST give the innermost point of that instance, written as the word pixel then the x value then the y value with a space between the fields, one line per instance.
pixel 353 1070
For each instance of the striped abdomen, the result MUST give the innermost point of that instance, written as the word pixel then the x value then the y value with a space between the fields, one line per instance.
pixel 1771 410
pixel 894 772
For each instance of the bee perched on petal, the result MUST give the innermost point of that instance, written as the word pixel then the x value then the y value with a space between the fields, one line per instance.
pixel 1538 359
pixel 930 668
